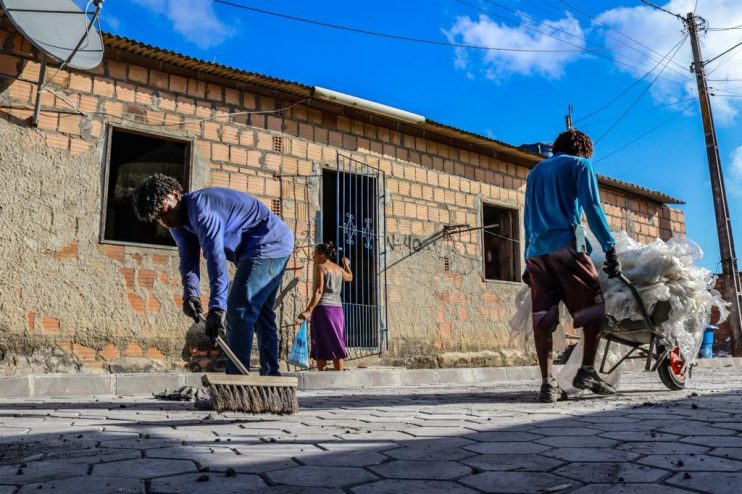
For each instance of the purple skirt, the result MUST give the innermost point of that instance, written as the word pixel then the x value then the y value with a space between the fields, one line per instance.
pixel 327 333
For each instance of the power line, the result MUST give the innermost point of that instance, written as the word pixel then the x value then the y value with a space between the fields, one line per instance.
pixel 665 122
pixel 657 7
pixel 398 37
pixel 618 31
pixel 641 95
pixel 593 51
pixel 653 109
pixel 722 53
pixel 618 96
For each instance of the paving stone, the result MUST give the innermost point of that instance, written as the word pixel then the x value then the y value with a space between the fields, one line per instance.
pixel 439 431
pixel 698 463
pixel 344 458
pixel 428 452
pixel 734 453
pixel 145 468
pixel 8 489
pixel 625 489
pixel 639 436
pixel 95 455
pixel 508 462
pixel 341 445
pixel 40 471
pixel 577 442
pixel 76 485
pixel 591 454
pixel 422 470
pixel 315 476
pixel 663 448
pixel 412 487
pixel 506 436
pixel 714 441
pixel 516 482
pixel 694 429
pixel 220 459
pixel 139 443
pixel 217 483
pixel 565 431
pixel 610 472
pixel 716 482
pixel 516 448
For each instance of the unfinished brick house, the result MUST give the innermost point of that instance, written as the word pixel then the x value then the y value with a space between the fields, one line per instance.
pixel 86 287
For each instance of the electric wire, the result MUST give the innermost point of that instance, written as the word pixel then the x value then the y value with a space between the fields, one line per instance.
pixel 618 31
pixel 661 124
pixel 723 53
pixel 619 95
pixel 662 9
pixel 379 34
pixel 641 95
pixel 648 110
pixel 595 51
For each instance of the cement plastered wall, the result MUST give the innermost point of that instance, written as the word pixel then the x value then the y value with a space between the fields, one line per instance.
pixel 64 297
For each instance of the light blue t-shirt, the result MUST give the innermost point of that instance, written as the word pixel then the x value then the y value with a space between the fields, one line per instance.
pixel 229 226
pixel 557 191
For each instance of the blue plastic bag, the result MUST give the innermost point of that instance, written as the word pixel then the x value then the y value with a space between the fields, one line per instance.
pixel 299 354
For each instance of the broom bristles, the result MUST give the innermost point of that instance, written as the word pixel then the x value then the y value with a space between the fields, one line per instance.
pixel 256 395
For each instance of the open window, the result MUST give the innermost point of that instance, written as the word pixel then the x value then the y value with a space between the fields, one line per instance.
pixel 500 246
pixel 132 157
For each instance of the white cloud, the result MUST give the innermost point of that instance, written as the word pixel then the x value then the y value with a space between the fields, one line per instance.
pixel 661 32
pixel 195 20
pixel 498 65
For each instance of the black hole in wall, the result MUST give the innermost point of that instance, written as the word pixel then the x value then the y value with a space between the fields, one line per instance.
pixel 133 158
pixel 500 249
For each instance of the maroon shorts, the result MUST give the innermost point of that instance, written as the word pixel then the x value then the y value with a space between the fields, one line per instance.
pixel 569 276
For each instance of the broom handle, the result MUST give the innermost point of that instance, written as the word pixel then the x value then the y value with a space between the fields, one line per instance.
pixel 225 348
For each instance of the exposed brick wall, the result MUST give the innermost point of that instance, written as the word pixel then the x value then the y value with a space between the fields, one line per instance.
pixel 429 185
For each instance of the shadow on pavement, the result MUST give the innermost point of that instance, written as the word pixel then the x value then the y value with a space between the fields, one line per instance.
pixel 452 440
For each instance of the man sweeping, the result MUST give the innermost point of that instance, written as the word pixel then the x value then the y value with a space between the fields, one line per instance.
pixel 558 265
pixel 228 226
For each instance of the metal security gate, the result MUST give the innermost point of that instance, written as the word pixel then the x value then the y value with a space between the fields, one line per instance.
pixel 358 228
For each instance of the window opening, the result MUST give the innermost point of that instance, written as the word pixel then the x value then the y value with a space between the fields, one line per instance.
pixel 132 157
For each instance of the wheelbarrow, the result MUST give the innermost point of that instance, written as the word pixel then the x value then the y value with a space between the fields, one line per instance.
pixel 647 342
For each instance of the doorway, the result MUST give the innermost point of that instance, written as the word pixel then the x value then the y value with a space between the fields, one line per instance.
pixel 352 213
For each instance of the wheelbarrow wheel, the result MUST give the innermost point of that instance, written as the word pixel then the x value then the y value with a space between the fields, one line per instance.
pixel 673 370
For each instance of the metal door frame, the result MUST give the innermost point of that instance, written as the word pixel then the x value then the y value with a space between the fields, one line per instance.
pixel 349 230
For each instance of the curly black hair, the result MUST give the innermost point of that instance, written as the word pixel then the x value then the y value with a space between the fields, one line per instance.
pixel 574 143
pixel 149 195
pixel 328 250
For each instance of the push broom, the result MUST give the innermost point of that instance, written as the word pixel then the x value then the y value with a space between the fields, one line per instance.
pixel 248 393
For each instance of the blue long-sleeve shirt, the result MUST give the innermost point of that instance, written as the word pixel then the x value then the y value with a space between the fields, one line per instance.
pixel 557 191
pixel 229 226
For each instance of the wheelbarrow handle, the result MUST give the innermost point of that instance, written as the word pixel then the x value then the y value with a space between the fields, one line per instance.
pixel 642 309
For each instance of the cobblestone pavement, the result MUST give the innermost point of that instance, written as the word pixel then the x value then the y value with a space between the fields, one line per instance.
pixel 488 438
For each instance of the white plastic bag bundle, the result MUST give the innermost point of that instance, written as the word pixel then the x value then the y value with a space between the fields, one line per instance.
pixel 664 271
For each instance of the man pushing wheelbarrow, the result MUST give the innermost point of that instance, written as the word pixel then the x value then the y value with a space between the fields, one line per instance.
pixel 558 265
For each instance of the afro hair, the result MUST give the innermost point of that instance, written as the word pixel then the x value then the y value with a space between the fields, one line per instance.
pixel 149 195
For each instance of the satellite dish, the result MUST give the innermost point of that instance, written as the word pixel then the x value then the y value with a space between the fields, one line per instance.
pixel 60 31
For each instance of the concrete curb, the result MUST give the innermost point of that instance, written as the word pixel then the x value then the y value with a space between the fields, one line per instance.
pixel 77 385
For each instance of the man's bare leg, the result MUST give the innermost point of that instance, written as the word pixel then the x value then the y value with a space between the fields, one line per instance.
pixel 337 364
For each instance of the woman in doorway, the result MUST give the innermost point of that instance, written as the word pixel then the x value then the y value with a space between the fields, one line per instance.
pixel 325 309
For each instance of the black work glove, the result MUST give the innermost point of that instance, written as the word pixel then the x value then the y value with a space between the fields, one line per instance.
pixel 216 325
pixel 612 266
pixel 526 277
pixel 192 308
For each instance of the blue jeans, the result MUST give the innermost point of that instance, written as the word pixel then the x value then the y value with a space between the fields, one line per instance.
pixel 250 311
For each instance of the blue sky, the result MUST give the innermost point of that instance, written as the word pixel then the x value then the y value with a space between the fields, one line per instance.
pixel 517 97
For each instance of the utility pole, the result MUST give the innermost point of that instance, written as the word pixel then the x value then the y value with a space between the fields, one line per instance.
pixel 730 272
